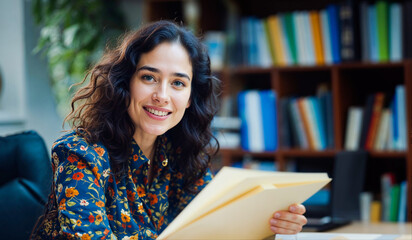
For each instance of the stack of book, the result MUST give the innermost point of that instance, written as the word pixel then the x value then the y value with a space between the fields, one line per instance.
pixel 380 124
pixel 308 122
pixel 339 33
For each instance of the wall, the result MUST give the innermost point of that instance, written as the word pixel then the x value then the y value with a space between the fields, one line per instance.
pixel 26 102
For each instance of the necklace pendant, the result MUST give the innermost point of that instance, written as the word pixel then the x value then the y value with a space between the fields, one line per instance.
pixel 164 162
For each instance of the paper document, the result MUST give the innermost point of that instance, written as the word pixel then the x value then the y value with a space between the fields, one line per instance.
pixel 238 203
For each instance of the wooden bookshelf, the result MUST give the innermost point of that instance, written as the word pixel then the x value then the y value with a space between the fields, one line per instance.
pixel 350 83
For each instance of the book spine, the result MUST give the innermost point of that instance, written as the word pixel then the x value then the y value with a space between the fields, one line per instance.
pixel 320 125
pixel 401 118
pixel 373 34
pixel 255 121
pixel 349 38
pixel 317 37
pixel 395 35
pixel 307 124
pixel 299 37
pixel 394 207
pixel 403 201
pixel 325 29
pixel 382 18
pixel 382 133
pixel 290 31
pixel 285 42
pixel 268 111
pixel 334 32
pixel 264 59
pixel 376 114
pixel 311 60
pixel 298 122
pixel 244 136
pixel 364 28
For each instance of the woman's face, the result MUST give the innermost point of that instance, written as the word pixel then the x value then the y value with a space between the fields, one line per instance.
pixel 160 89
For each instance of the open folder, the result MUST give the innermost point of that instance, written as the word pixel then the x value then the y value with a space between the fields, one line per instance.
pixel 238 203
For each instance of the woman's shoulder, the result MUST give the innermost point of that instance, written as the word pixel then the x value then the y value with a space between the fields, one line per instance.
pixel 74 144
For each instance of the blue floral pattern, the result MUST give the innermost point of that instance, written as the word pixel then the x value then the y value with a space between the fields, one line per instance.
pixel 90 204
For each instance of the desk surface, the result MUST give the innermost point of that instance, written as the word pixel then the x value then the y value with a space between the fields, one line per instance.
pixel 382 228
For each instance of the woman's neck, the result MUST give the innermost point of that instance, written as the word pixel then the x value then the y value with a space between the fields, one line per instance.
pixel 146 144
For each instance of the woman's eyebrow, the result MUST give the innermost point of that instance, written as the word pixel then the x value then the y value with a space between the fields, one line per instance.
pixel 155 70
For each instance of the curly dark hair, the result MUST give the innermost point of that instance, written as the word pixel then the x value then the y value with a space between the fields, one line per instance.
pixel 99 109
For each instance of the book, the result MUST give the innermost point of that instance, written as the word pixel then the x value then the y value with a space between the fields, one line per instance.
pixel 215 43
pixel 395 32
pixel 364 31
pixel 367 115
pixel 298 127
pixel 376 211
pixel 383 130
pixel 402 215
pixel 382 19
pixel 400 141
pixel 353 127
pixel 257 111
pixel 333 17
pixel 373 33
pixel 237 204
pixel 326 39
pixel 375 118
pixel 317 37
pixel 349 31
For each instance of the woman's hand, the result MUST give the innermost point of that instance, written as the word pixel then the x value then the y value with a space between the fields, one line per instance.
pixel 288 222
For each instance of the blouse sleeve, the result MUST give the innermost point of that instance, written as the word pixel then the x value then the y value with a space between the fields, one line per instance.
pixel 79 193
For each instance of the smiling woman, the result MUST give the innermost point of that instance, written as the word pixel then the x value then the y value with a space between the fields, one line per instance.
pixel 137 152
pixel 139 149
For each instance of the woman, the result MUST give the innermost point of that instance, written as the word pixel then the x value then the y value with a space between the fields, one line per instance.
pixel 137 153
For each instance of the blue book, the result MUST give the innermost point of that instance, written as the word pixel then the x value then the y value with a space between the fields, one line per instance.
pixel 242 115
pixel 320 124
pixel 373 34
pixel 401 112
pixel 268 110
pixel 403 202
pixel 395 32
pixel 334 32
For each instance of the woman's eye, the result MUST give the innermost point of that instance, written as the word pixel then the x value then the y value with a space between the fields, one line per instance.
pixel 148 78
pixel 179 84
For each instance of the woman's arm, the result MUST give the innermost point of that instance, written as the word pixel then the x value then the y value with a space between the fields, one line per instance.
pixel 79 193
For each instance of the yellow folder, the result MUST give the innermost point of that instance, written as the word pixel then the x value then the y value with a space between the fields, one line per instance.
pixel 238 203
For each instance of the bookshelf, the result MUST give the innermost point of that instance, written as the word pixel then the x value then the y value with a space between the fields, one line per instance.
pixel 349 82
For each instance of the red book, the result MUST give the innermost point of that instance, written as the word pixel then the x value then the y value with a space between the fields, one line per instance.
pixel 374 122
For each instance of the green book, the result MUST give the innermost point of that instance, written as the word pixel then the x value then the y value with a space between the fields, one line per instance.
pixel 382 18
pixel 290 33
pixel 394 207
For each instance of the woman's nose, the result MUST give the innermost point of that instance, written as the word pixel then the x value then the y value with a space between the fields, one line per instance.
pixel 161 94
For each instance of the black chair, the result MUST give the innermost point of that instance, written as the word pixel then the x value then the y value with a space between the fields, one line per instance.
pixel 25 180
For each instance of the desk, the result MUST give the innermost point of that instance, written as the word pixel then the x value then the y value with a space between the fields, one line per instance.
pixel 382 228
pixel 358 231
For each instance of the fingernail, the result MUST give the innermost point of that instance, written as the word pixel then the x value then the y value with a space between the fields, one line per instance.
pixel 292 209
pixel 277 215
pixel 273 221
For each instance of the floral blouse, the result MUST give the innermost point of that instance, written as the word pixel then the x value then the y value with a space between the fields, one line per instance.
pixel 88 203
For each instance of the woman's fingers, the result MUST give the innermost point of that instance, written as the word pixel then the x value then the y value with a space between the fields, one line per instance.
pixel 289 222
pixel 284 227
